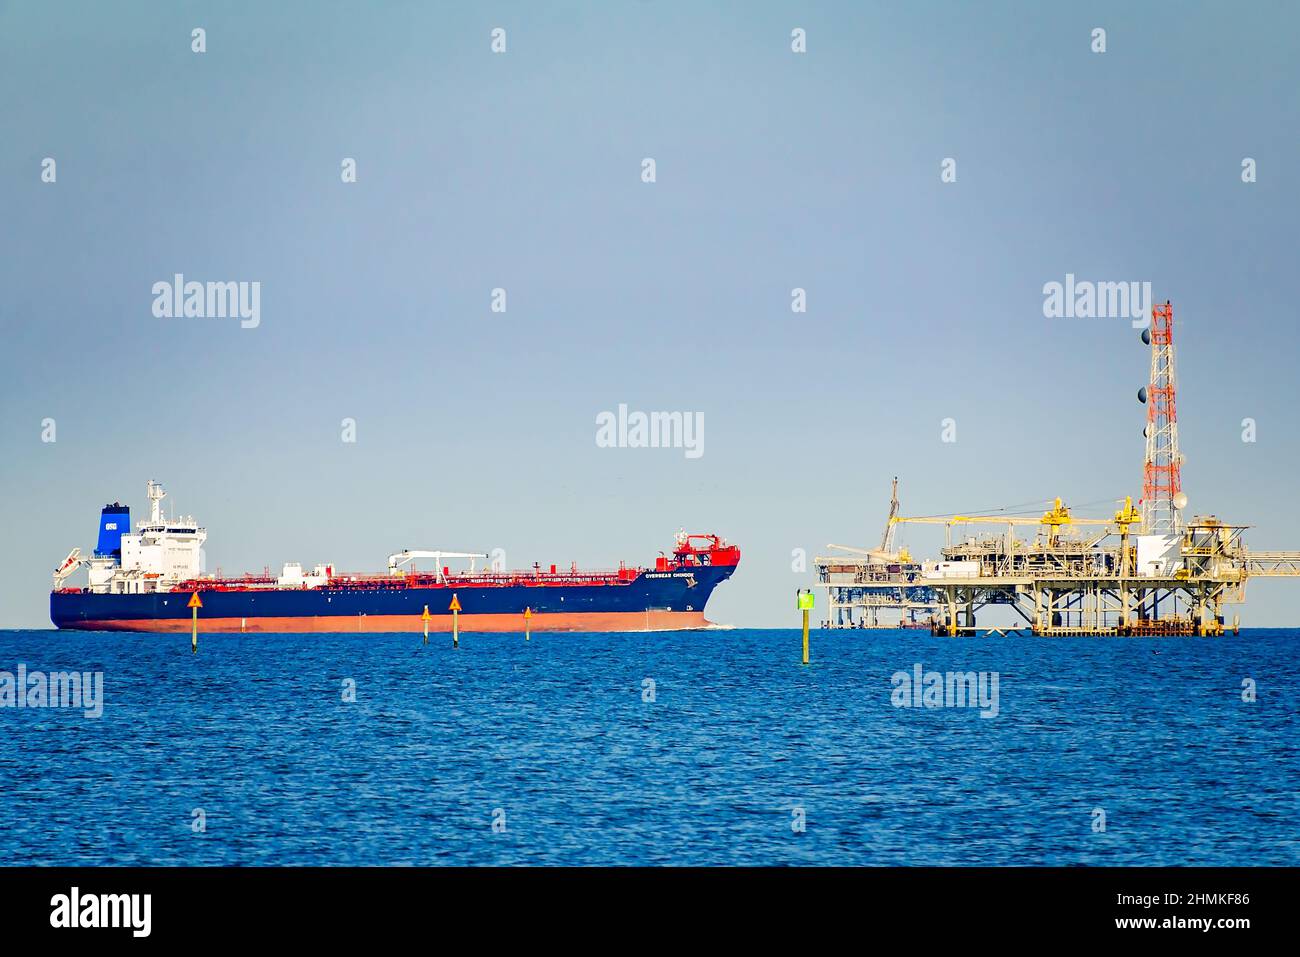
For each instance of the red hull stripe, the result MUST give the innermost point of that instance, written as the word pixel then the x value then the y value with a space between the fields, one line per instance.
pixel 582 621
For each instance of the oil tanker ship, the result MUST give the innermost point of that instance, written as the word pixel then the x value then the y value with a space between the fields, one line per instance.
pixel 145 580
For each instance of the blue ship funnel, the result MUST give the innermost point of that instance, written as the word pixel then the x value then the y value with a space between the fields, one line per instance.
pixel 114 522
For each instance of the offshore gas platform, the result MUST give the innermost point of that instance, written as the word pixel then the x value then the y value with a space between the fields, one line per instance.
pixel 1146 570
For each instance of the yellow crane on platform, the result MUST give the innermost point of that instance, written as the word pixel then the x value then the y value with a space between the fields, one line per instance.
pixel 1054 519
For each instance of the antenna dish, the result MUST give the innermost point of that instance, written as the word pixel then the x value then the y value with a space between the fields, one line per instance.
pixel 1180 501
pixel 1146 337
pixel 1142 395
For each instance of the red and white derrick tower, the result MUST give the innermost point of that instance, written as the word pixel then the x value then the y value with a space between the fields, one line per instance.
pixel 1162 485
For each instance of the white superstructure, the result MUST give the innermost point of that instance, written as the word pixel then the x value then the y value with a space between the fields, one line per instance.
pixel 161 553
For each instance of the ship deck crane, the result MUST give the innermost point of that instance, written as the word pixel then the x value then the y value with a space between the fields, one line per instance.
pixel 406 555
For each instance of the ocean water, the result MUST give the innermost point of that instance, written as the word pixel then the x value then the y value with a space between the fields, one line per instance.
pixel 554 741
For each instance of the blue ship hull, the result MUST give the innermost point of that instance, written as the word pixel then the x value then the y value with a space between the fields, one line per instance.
pixel 652 600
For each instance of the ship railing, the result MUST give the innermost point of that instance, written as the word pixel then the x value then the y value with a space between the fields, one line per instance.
pixel 612 576
pixel 485 580
pixel 224 584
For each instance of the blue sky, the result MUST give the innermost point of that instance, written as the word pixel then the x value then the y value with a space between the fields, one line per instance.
pixel 522 170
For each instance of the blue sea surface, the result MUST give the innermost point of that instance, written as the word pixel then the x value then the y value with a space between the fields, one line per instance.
pixel 560 743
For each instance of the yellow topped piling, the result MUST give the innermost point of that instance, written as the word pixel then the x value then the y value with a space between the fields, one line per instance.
pixel 805 604
pixel 454 608
pixel 195 604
